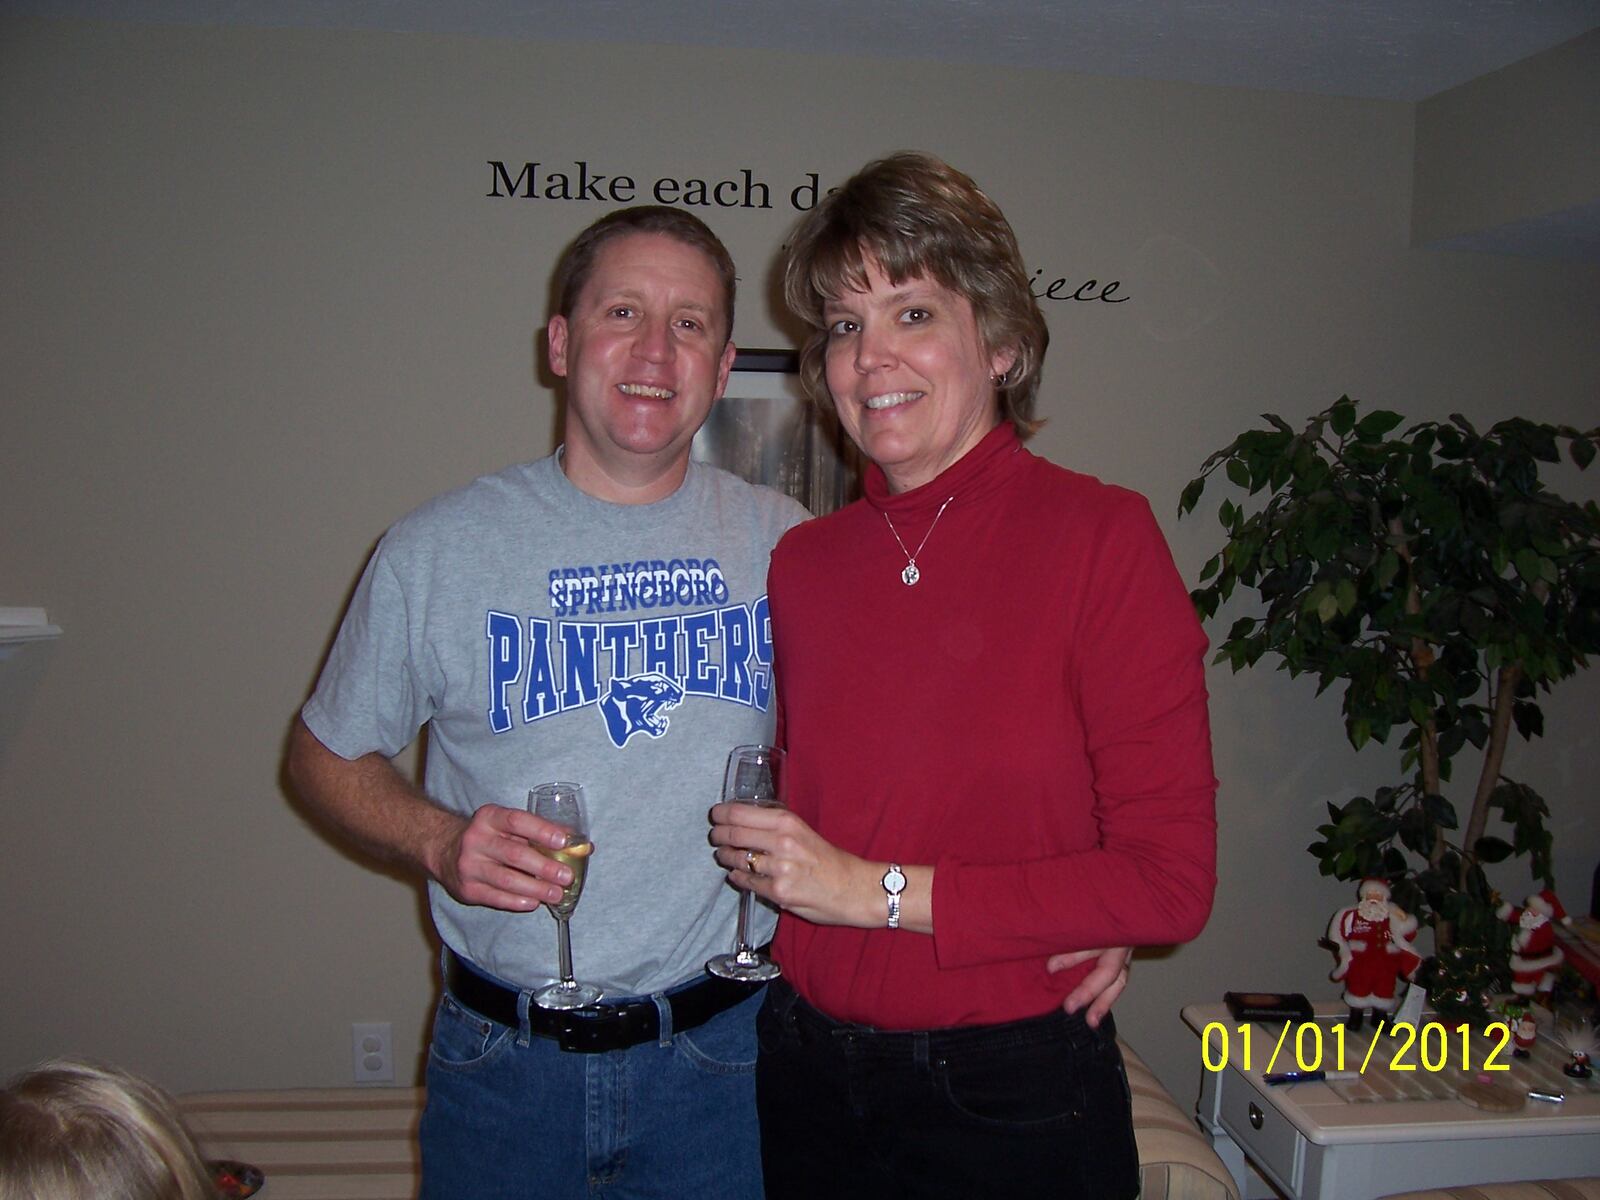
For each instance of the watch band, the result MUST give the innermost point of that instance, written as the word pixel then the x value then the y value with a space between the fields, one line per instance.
pixel 894 882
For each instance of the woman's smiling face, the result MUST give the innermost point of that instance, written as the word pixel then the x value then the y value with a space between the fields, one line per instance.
pixel 909 373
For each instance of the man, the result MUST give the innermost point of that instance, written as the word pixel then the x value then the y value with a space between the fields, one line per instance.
pixel 597 616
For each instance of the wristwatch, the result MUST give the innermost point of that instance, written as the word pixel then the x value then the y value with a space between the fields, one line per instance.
pixel 894 882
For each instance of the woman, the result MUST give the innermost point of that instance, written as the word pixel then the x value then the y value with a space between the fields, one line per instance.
pixel 991 690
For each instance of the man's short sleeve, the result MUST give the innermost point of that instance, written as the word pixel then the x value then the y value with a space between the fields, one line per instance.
pixel 370 696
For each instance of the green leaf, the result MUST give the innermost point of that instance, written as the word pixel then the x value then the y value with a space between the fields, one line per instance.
pixel 1191 495
pixel 1529 719
pixel 1375 424
pixel 1582 451
pixel 1315 597
pixel 1388 568
pixel 1324 543
pixel 1238 472
pixel 1277 475
pixel 1415 832
pixel 1342 417
pixel 1492 850
pixel 1440 811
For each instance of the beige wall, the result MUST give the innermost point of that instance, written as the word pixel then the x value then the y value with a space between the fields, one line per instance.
pixel 257 304
pixel 1514 144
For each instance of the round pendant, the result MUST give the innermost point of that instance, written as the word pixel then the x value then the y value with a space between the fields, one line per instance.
pixel 910 575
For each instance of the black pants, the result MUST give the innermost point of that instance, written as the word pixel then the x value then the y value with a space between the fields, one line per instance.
pixel 1036 1108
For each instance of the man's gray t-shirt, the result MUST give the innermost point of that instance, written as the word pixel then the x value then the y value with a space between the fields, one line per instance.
pixel 545 635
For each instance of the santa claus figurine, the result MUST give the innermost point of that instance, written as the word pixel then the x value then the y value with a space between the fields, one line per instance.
pixel 1373 938
pixel 1524 1033
pixel 1535 957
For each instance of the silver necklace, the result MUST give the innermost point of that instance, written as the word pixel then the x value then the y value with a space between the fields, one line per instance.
pixel 910 575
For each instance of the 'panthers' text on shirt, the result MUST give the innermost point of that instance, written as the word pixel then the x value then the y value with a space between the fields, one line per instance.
pixel 634 672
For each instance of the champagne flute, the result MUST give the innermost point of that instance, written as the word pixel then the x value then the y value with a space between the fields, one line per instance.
pixel 562 804
pixel 755 775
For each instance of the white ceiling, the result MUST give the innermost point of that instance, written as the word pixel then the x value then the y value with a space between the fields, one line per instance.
pixel 1380 49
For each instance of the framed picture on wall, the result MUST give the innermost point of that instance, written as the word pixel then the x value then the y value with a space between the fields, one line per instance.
pixel 764 430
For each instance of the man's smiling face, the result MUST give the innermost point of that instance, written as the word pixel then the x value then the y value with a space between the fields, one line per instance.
pixel 645 354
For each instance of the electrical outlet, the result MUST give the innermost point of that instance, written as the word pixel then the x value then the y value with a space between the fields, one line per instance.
pixel 372 1051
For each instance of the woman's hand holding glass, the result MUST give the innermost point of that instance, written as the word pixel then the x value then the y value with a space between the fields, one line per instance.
pixel 755 778
pixel 775 854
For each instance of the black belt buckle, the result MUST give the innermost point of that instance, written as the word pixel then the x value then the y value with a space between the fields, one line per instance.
pixel 606 1029
pixel 588 1034
pixel 567 1034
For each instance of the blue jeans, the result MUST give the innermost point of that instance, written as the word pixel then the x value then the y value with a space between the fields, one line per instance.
pixel 511 1116
pixel 1036 1108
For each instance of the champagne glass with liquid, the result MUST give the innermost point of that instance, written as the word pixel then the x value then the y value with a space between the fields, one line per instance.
pixel 754 776
pixel 562 804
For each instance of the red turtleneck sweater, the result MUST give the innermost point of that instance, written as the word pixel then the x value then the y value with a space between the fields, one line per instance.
pixel 1030 719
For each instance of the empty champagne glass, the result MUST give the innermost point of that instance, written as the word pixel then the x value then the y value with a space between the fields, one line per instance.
pixel 754 776
pixel 562 804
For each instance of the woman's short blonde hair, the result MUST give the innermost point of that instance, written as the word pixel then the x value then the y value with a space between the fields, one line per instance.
pixel 917 216
pixel 73 1130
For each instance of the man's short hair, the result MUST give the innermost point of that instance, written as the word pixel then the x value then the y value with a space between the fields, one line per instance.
pixel 577 264
pixel 917 216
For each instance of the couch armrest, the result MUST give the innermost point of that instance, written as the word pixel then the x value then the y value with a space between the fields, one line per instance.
pixel 1176 1161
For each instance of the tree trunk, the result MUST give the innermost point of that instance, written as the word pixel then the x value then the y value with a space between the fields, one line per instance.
pixel 1422 659
pixel 1505 693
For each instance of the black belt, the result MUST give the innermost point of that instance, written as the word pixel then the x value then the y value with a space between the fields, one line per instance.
pixel 603 1027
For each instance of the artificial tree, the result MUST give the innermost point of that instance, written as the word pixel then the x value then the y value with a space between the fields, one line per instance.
pixel 1436 578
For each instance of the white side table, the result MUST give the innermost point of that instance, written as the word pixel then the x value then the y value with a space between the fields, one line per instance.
pixel 1388 1131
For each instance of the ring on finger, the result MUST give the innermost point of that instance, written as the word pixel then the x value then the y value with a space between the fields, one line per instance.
pixel 750 857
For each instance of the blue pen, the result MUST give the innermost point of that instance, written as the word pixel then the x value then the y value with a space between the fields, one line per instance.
pixel 1277 1077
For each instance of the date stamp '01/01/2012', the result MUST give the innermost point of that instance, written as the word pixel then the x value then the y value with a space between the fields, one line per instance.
pixel 1306 1047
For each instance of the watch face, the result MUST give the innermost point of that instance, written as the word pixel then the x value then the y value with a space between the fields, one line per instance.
pixel 894 882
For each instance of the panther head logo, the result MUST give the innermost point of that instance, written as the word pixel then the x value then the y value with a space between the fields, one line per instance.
pixel 639 705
